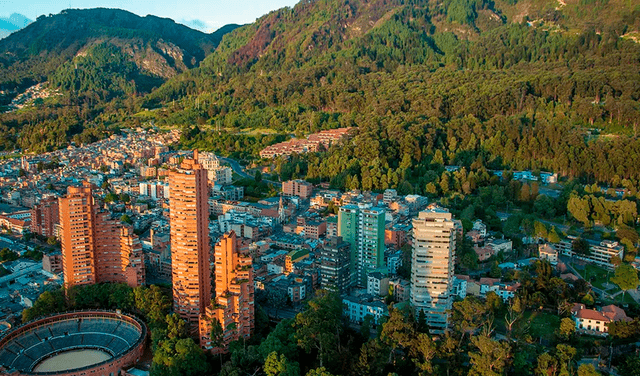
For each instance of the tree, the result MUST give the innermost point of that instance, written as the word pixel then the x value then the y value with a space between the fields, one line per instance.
pixel 588 300
pixel 319 326
pixel 491 358
pixel 365 328
pixel 47 303
pixel 276 365
pixel 580 247
pixel 588 370
pixel 553 236
pixel 397 333
pixel 567 328
pixel 615 261
pixel 547 365
pixel 624 329
pixel 495 271
pixel 579 209
pixel 626 277
pixel 630 366
pixel 179 356
pixel 258 176
pixel 152 303
pixel 468 315
pixel 492 302
pixel 321 371
pixel 423 352
pixel 126 219
pixel 276 298
pixel 514 312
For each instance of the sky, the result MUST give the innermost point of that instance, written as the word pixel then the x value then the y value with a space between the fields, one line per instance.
pixel 211 14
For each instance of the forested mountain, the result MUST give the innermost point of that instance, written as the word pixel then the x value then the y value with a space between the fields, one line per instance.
pixel 96 62
pixel 506 84
pixel 525 84
pixel 158 46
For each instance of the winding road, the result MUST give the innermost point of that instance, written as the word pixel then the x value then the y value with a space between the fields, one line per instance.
pixel 235 166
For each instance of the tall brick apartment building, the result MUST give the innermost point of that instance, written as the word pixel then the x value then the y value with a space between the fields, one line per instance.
pixel 191 264
pixel 190 247
pixel 96 248
pixel 45 216
pixel 234 301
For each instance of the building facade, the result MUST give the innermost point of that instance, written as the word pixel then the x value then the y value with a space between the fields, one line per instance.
pixel 95 247
pixel 298 188
pixel 363 228
pixel 190 247
pixel 335 272
pixel 600 253
pixel 234 296
pixel 357 308
pixel 432 266
pixel 45 216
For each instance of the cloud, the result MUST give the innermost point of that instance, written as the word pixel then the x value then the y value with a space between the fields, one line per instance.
pixel 198 25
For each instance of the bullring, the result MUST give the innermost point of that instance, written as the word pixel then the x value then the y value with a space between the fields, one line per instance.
pixel 112 341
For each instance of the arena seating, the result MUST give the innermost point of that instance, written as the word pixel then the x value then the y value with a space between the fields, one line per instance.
pixel 107 331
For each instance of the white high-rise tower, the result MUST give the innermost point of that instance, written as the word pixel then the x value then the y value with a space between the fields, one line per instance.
pixel 432 265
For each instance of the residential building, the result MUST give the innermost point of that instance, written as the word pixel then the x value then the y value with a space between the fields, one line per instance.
pixel 600 253
pixel 480 227
pixel 459 287
pixel 401 289
pixel 432 266
pixel 314 229
pixel 395 236
pixel 190 249
pixel 548 252
pixel 335 269
pixel 591 321
pixel 499 245
pixel 52 262
pixel 389 196
pixel 357 308
pixel 298 188
pixel 234 295
pixel 363 228
pixel 377 284
pixel 229 192
pixel 45 216
pixel 332 227
pixel 394 261
pixel 95 247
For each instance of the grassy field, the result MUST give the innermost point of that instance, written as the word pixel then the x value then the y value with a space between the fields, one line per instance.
pixel 542 324
pixel 598 277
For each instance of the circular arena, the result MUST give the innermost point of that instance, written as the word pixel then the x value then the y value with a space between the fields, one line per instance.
pixel 73 343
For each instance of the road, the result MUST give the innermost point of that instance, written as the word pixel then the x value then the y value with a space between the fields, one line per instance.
pixel 235 166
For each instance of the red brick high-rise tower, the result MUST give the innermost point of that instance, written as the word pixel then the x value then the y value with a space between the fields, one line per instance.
pixel 45 216
pixel 96 248
pixel 234 308
pixel 77 221
pixel 190 248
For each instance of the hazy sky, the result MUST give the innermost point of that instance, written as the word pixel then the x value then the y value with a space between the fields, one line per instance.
pixel 213 13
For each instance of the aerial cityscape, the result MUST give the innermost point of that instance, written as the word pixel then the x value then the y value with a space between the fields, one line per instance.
pixel 342 187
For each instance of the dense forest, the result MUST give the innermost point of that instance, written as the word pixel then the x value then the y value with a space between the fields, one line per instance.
pixel 427 85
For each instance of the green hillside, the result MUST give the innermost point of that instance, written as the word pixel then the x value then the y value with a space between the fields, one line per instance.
pixel 519 84
pixel 158 46
pixel 95 63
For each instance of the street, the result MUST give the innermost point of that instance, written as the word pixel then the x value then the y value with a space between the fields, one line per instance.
pixel 235 166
